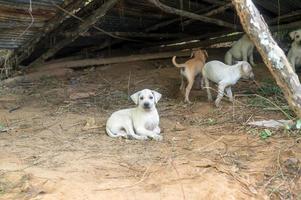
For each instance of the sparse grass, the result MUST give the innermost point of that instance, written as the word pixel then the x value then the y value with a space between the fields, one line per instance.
pixel 270 97
pixel 5 66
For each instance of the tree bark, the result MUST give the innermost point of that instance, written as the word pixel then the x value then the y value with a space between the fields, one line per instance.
pixel 273 57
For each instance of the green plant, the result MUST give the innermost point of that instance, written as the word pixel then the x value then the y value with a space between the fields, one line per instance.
pixel 266 133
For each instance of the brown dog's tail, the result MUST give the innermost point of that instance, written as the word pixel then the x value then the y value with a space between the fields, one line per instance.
pixel 176 64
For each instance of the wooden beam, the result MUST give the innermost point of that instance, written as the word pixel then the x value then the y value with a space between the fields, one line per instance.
pixel 132 34
pixel 273 56
pixel 171 21
pixel 81 28
pixel 216 2
pixel 286 16
pixel 210 13
pixel 186 22
pixel 121 59
pixel 187 14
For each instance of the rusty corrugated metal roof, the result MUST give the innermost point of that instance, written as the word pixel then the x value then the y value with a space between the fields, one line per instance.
pixel 15 20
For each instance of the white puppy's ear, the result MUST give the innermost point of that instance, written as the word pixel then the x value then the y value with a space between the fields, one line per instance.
pixel 135 97
pixel 246 67
pixel 157 96
pixel 292 34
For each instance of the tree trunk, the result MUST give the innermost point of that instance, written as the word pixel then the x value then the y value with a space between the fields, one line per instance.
pixel 274 58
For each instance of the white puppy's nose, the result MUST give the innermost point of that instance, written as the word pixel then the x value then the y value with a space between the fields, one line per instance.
pixel 146 105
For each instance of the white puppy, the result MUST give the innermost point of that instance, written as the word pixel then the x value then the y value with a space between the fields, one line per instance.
pixel 140 122
pixel 242 50
pixel 225 76
pixel 294 54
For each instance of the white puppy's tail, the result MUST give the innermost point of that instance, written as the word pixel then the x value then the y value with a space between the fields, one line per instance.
pixel 109 132
pixel 176 64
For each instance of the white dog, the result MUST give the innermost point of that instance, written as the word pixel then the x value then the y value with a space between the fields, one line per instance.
pixel 242 50
pixel 225 76
pixel 140 122
pixel 294 54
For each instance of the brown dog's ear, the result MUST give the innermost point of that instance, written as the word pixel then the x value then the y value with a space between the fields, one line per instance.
pixel 292 34
pixel 157 96
pixel 135 97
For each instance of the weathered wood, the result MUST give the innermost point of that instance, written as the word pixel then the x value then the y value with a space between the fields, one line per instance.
pixel 171 21
pixel 187 14
pixel 284 17
pixel 196 44
pixel 121 59
pixel 273 56
pixel 132 34
pixel 81 28
pixel 216 2
pixel 210 13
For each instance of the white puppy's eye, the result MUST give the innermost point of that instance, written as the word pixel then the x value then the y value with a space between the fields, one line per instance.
pixel 141 98
pixel 297 36
pixel 151 97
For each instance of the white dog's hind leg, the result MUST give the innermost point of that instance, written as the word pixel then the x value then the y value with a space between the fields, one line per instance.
pixel 221 89
pixel 208 89
pixel 114 135
pixel 229 93
pixel 228 58
pixel 152 134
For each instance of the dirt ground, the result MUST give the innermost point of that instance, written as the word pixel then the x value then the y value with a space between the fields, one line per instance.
pixel 53 144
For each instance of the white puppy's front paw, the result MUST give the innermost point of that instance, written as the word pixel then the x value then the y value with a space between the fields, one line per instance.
pixel 157 137
pixel 142 137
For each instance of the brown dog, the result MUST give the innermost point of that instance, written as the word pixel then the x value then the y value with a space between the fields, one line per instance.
pixel 190 69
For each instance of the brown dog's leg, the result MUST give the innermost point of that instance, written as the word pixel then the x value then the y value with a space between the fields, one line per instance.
pixel 182 87
pixel 190 81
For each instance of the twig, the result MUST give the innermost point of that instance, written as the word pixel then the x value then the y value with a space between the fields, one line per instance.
pixel 178 174
pixel 279 165
pixel 219 139
pixel 31 23
pixel 127 186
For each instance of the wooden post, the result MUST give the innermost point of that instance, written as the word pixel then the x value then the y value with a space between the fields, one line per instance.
pixel 274 58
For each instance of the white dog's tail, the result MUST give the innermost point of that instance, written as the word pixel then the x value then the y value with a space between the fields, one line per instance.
pixel 109 132
pixel 176 64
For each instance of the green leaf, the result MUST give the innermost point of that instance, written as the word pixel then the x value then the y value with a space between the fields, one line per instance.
pixel 298 124
pixel 1 127
pixel 266 133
